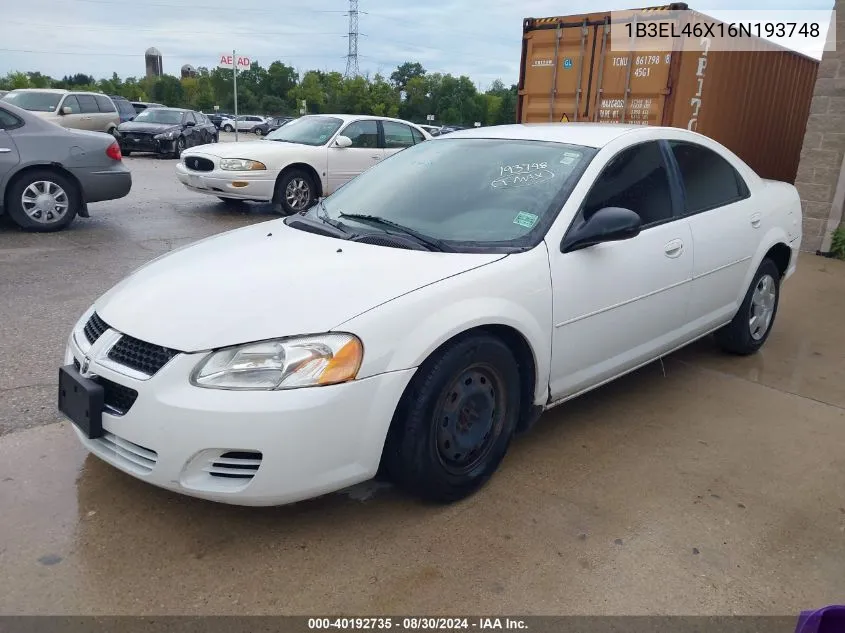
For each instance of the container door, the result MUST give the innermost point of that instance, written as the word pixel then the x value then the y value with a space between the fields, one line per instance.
pixel 629 87
pixel 556 73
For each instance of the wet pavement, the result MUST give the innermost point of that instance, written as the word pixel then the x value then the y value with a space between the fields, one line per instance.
pixel 708 485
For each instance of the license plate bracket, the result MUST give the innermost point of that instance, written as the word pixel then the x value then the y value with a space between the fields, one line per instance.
pixel 81 400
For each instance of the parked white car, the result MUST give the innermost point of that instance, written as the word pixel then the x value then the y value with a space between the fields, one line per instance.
pixel 293 166
pixel 426 311
pixel 243 123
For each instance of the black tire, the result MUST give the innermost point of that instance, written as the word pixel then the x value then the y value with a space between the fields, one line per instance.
pixel 740 336
pixel 126 152
pixel 280 197
pixel 228 128
pixel 18 214
pixel 181 146
pixel 440 406
pixel 259 131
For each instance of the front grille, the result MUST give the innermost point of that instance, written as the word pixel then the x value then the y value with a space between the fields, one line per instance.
pixel 129 455
pixel 140 356
pixel 94 328
pixel 235 465
pixel 117 398
pixel 196 163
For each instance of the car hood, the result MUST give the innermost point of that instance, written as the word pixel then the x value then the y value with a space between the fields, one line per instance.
pixel 149 128
pixel 248 149
pixel 266 281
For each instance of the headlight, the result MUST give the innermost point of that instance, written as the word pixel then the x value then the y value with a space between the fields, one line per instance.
pixel 241 164
pixel 304 361
pixel 168 136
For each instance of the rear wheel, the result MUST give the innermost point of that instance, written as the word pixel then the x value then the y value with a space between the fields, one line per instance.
pixel 295 192
pixel 259 131
pixel 455 422
pixel 43 201
pixel 228 128
pixel 751 325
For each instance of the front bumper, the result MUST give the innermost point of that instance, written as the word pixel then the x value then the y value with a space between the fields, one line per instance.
pixel 241 185
pixel 147 144
pixel 307 442
pixel 105 184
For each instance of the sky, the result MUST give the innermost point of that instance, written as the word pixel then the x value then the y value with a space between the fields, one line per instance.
pixel 478 38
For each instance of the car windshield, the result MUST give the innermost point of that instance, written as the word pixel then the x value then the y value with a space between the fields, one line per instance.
pixel 308 130
pixel 34 101
pixel 157 115
pixel 478 193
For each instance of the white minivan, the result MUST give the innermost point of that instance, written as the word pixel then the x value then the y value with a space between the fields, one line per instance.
pixel 70 109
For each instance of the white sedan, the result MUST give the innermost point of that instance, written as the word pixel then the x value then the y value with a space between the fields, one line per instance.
pixel 293 166
pixel 439 303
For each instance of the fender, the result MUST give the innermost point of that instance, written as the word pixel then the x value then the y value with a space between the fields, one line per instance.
pixel 402 333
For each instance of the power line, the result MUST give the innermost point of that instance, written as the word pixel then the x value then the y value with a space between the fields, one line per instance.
pixel 218 7
pixel 86 27
pixel 102 54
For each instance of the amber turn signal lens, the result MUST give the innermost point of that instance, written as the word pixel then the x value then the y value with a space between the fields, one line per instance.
pixel 344 365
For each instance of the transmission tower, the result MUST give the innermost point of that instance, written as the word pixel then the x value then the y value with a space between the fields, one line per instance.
pixel 352 56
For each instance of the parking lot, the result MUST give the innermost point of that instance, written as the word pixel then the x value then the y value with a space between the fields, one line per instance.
pixel 704 485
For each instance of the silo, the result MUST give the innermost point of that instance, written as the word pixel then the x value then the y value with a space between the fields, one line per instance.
pixel 188 71
pixel 153 62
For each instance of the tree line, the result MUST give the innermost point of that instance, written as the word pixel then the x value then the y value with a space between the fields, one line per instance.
pixel 410 92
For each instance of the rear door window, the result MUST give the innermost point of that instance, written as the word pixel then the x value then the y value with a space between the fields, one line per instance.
pixel 87 104
pixel 397 135
pixel 709 180
pixel 104 103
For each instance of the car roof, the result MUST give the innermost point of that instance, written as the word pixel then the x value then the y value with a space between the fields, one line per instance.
pixel 595 135
pixel 60 91
pixel 358 117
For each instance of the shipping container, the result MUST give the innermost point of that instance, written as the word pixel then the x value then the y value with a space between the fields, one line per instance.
pixel 755 102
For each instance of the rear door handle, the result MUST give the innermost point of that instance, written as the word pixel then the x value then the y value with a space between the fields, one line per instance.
pixel 756 219
pixel 674 249
pixel 4 150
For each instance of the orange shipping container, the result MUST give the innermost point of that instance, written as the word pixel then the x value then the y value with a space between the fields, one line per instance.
pixel 755 102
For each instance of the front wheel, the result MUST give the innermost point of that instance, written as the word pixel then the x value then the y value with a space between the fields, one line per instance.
pixel 294 192
pixel 43 201
pixel 751 325
pixel 455 421
pixel 180 147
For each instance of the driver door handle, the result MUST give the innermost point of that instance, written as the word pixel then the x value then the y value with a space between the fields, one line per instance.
pixel 4 150
pixel 674 249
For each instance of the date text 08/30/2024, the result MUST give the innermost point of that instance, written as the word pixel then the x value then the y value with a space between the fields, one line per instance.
pixel 416 624
pixel 660 30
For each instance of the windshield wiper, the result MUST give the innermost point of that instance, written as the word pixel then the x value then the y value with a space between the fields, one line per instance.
pixel 324 216
pixel 431 242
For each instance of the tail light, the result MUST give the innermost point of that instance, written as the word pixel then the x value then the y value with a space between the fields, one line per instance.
pixel 113 151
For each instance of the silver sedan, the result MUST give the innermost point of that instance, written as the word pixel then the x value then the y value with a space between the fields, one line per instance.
pixel 49 174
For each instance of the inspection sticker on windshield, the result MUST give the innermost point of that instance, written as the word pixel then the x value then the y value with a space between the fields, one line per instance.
pixel 569 158
pixel 528 220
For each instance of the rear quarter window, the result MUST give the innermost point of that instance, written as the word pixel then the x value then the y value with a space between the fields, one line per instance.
pixel 9 121
pixel 710 181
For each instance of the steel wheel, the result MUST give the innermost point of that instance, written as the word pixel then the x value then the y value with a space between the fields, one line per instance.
pixel 298 194
pixel 762 307
pixel 45 202
pixel 469 417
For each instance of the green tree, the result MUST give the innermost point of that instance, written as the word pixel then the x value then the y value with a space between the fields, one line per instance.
pixel 273 105
pixel 405 72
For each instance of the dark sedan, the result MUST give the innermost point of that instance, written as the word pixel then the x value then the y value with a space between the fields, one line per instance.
pixel 166 132
pixel 217 118
pixel 49 174
pixel 272 125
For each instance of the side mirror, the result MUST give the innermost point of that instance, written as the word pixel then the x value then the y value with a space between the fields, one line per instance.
pixel 610 224
pixel 190 124
pixel 343 141
pixel 66 110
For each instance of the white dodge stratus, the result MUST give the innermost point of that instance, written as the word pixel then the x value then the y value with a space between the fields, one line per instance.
pixel 308 158
pixel 440 302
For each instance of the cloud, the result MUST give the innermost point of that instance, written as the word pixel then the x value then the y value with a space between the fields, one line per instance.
pixel 471 37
